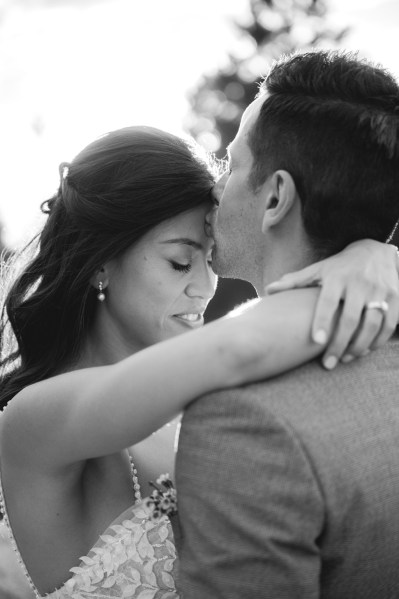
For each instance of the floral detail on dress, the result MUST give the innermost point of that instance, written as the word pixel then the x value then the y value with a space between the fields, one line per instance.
pixel 163 500
pixel 133 559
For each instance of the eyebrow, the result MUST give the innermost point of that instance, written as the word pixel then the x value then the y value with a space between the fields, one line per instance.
pixel 185 241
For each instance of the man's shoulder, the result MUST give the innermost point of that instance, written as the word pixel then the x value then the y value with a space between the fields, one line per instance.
pixel 354 378
pixel 340 420
pixel 310 393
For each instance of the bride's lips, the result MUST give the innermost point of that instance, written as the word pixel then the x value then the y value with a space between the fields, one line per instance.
pixel 190 319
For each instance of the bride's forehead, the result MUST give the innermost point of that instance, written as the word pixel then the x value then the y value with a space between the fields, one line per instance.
pixel 185 229
pixel 185 224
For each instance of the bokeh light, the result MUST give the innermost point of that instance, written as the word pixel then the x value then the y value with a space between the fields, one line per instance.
pixel 74 69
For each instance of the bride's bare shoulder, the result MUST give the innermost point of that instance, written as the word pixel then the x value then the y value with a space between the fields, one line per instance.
pixel 31 419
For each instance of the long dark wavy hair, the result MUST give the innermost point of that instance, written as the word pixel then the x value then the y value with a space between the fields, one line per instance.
pixel 114 191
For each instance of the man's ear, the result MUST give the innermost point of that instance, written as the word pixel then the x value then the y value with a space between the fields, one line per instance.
pixel 280 198
pixel 100 276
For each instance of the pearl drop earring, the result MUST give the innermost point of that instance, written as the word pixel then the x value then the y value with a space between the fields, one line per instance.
pixel 101 294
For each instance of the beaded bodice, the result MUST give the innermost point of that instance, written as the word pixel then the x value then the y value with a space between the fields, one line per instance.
pixel 134 558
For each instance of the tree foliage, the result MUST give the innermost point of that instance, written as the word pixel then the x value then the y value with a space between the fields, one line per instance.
pixel 272 28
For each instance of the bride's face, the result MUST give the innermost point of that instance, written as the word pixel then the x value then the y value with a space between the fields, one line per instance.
pixel 161 286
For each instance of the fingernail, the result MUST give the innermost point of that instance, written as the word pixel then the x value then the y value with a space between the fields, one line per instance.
pixel 320 337
pixel 330 362
pixel 347 358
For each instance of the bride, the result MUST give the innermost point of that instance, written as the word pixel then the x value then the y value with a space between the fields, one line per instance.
pixel 94 362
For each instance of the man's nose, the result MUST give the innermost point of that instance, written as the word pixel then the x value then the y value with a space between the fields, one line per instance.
pixel 219 187
pixel 209 220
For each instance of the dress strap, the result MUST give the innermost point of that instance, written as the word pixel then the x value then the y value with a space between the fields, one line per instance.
pixel 135 480
pixel 3 511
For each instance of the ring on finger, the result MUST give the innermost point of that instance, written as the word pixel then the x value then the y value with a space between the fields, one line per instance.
pixel 382 306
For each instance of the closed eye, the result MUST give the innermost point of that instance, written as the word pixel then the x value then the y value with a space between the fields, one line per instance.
pixel 180 267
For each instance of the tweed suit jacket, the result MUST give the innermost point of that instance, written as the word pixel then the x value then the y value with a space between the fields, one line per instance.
pixel 290 488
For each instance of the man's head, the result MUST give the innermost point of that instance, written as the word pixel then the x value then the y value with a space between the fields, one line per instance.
pixel 314 166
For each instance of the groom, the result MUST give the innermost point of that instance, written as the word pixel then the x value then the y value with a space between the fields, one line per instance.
pixel 290 488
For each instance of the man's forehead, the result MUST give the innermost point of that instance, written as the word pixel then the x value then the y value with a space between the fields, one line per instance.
pixel 251 112
pixel 248 119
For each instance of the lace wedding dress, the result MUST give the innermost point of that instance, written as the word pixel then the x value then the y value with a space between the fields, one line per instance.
pixel 133 559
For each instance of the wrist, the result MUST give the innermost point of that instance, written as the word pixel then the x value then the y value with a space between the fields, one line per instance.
pixel 228 348
pixel 241 347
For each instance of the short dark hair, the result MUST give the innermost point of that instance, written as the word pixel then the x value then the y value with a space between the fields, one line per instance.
pixel 332 121
pixel 114 191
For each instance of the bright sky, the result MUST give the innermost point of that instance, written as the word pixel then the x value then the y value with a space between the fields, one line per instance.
pixel 75 70
pixel 375 29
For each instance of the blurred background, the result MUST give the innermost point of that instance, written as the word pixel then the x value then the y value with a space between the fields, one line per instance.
pixel 71 70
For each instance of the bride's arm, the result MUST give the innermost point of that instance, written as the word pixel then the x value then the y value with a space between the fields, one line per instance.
pixel 97 411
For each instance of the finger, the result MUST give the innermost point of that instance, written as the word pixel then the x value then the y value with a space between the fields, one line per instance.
pixel 302 278
pixel 345 329
pixel 371 324
pixel 389 323
pixel 325 314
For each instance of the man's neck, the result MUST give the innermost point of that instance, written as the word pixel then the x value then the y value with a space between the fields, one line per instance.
pixel 283 261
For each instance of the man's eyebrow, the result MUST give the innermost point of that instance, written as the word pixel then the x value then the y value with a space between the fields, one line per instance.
pixel 185 241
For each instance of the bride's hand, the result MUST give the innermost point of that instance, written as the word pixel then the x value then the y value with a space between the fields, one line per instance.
pixel 364 272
